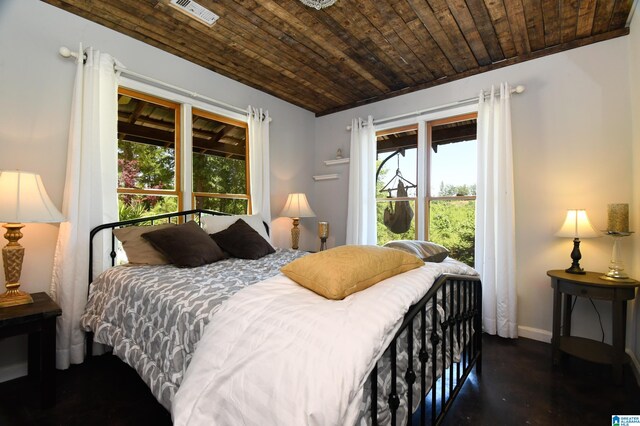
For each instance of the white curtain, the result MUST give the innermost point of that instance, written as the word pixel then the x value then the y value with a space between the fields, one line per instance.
pixel 495 255
pixel 90 196
pixel 361 212
pixel 259 162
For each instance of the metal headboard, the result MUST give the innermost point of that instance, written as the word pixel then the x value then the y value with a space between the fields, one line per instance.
pixel 195 214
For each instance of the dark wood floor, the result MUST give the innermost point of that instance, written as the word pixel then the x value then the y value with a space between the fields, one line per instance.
pixel 517 387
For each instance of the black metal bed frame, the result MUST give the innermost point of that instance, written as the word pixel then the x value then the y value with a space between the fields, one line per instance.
pixel 459 295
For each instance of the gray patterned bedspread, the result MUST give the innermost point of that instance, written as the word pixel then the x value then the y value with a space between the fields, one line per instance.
pixel 154 316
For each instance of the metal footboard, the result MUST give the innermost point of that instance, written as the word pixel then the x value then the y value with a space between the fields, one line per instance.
pixel 460 298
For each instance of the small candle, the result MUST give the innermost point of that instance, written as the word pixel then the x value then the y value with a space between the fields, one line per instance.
pixel 323 229
pixel 618 218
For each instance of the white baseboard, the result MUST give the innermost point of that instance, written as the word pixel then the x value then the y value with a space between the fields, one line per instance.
pixel 13 371
pixel 534 334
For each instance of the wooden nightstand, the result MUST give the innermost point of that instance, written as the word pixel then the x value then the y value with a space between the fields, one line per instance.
pixel 38 319
pixel 565 286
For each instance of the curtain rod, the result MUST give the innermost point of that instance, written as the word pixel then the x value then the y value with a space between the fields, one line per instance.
pixel 66 53
pixel 518 89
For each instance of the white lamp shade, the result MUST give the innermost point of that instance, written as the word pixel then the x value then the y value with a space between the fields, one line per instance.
pixel 577 225
pixel 297 206
pixel 23 199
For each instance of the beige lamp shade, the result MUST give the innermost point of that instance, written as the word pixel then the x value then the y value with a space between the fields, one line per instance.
pixel 577 225
pixel 297 206
pixel 24 199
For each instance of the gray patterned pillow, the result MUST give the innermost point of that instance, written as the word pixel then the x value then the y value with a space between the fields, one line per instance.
pixel 425 250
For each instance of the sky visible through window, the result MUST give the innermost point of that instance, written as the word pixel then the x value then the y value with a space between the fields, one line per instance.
pixel 453 164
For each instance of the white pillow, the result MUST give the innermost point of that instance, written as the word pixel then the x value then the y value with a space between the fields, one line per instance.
pixel 214 223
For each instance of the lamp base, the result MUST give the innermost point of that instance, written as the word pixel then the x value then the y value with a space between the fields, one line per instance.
pixel 575 257
pixel 575 270
pixel 14 297
pixel 12 256
pixel 295 233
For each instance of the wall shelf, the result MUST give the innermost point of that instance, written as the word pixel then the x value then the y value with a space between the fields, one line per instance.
pixel 326 177
pixel 336 162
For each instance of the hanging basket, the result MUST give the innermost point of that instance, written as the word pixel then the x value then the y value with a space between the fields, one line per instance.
pixel 398 214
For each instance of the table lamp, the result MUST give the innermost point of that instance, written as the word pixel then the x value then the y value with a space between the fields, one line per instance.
pixel 576 226
pixel 22 199
pixel 296 207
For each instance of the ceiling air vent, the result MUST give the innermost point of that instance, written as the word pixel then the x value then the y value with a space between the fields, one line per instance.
pixel 196 11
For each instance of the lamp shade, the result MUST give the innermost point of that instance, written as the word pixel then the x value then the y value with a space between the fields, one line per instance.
pixel 577 225
pixel 297 206
pixel 23 199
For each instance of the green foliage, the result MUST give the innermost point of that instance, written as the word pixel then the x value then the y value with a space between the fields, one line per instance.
pixel 453 226
pixel 143 166
pixel 219 175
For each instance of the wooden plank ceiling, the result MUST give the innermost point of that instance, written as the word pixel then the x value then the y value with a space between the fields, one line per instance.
pixel 359 51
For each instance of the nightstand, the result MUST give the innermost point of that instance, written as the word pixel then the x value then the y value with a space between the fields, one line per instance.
pixel 38 320
pixel 590 285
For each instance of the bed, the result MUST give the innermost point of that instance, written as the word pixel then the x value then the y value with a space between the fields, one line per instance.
pixel 190 326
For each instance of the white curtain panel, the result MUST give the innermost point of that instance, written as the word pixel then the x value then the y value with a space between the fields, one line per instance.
pixel 259 174
pixel 90 197
pixel 361 212
pixel 495 255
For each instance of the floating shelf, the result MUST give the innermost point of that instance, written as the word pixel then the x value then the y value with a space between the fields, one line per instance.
pixel 326 177
pixel 336 162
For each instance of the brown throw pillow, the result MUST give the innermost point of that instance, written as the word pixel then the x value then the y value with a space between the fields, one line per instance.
pixel 137 249
pixel 185 245
pixel 242 241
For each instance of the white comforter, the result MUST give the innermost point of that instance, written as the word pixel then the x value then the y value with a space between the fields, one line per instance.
pixel 278 354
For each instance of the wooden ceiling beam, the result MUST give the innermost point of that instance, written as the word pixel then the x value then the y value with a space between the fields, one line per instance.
pixel 518 24
pixel 500 22
pixel 468 27
pixel 455 36
pixel 551 22
pixel 485 28
pixel 534 23
pixel 604 12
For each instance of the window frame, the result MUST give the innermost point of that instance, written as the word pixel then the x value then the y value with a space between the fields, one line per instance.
pixel 186 104
pixel 213 116
pixel 428 196
pixel 424 146
pixel 177 191
pixel 391 131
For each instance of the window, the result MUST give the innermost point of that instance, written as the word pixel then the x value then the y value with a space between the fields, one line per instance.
pixel 446 193
pixel 396 184
pixel 451 185
pixel 148 155
pixel 220 166
pixel 153 175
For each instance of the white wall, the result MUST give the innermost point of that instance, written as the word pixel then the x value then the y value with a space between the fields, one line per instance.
pixel 572 149
pixel 35 100
pixel 634 71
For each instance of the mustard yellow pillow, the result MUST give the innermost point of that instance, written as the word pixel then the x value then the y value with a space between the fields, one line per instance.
pixel 344 270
